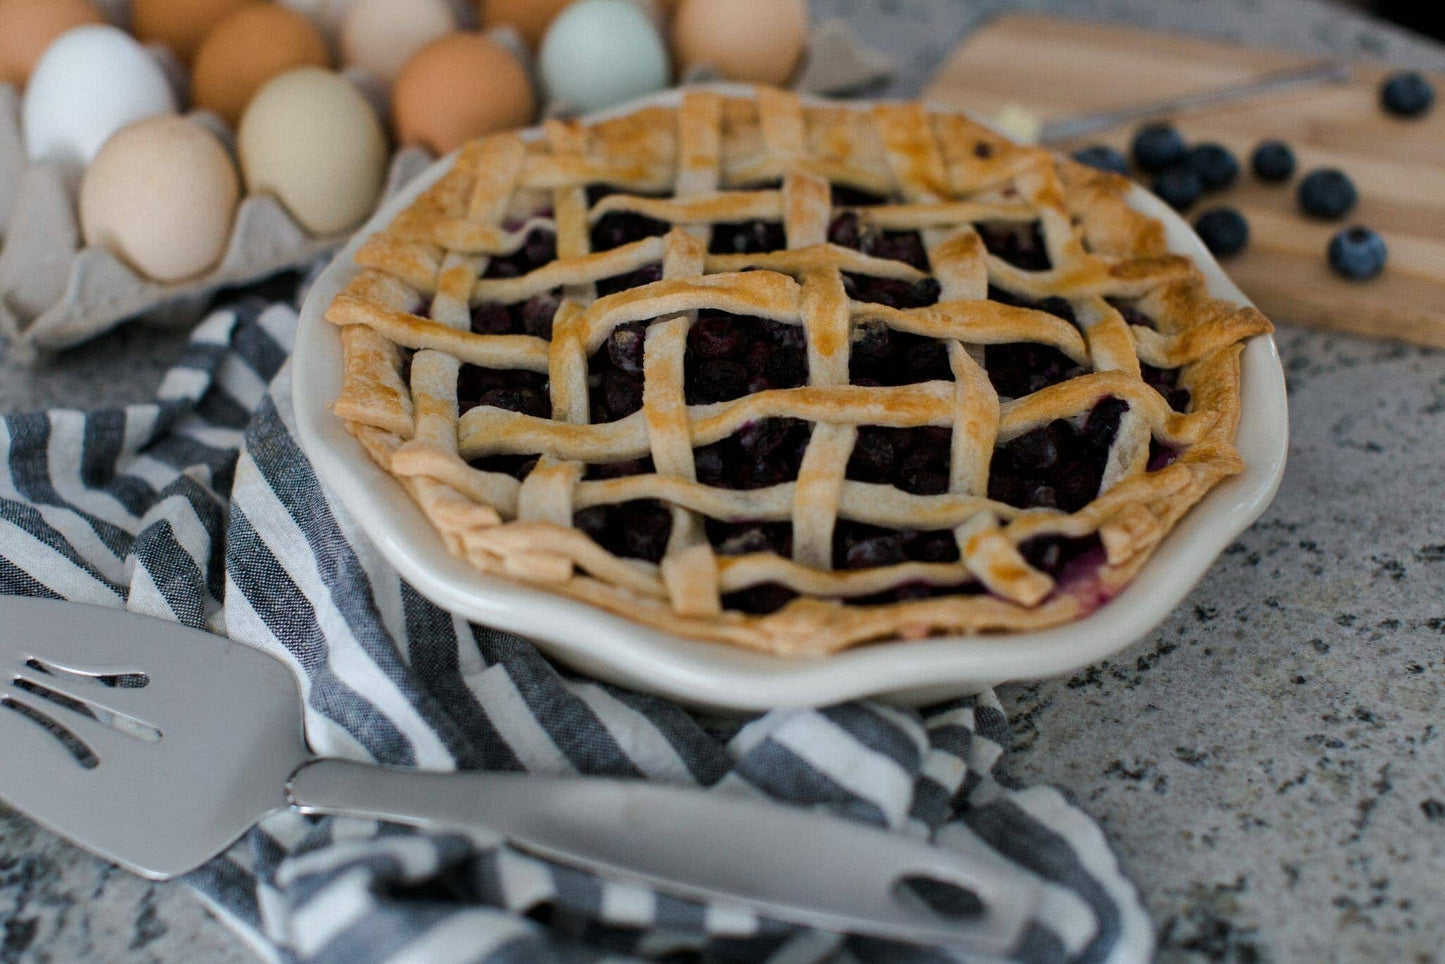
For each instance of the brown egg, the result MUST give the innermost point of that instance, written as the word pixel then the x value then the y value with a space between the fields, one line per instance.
pixel 249 48
pixel 460 87
pixel 758 41
pixel 27 27
pixel 179 24
pixel 530 17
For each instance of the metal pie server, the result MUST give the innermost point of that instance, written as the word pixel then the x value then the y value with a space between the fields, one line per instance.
pixel 156 746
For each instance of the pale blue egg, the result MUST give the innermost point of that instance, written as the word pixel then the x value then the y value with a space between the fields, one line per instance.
pixel 598 53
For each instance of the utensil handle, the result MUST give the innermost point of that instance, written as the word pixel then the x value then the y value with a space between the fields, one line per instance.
pixel 783 862
pixel 1067 128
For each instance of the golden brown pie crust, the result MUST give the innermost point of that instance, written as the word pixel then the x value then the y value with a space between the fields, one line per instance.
pixel 708 157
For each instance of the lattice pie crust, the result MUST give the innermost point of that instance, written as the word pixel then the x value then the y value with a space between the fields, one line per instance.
pixel 407 329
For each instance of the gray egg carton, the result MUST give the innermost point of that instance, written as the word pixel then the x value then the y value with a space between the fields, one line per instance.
pixel 55 292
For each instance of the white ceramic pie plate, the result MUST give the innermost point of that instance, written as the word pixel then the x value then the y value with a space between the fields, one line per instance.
pixel 720 677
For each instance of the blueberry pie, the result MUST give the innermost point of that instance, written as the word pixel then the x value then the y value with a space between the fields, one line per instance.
pixel 792 377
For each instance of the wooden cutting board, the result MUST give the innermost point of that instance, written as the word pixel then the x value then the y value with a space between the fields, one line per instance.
pixel 1053 67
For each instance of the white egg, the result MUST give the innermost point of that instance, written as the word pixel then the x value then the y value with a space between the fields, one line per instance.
pixel 91 82
pixel 379 36
pixel 602 52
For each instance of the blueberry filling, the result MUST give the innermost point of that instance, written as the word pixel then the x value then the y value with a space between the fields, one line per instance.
pixel 614 374
pixel 745 538
pixel 1056 466
pixel 1166 382
pixel 881 356
pixel 531 317
pixel 645 275
pixel 759 600
pixel 635 530
pixel 730 356
pixel 617 228
pixel 848 231
pixel 618 470
pixel 763 453
pixel 915 460
pixel 747 237
pixel 512 389
pixel 1132 314
pixel 1161 455
pixel 1023 368
pixel 853 197
pixel 1054 305
pixel 857 545
pixel 1060 556
pixel 538 249
pixel 893 292
pixel 1019 243
pixel 517 466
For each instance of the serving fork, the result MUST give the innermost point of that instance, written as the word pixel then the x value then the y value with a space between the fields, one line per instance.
pixel 157 746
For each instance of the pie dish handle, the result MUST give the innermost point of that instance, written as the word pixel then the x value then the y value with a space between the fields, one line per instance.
pixel 781 862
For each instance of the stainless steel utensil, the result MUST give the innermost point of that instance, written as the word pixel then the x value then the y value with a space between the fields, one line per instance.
pixel 156 746
pixel 1077 125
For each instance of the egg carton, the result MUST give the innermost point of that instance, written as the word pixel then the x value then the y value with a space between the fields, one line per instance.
pixel 55 292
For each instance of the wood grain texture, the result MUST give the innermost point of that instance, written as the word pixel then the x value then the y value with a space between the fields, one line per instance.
pixel 1054 67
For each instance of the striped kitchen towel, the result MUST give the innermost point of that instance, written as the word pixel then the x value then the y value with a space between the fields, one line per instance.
pixel 202 508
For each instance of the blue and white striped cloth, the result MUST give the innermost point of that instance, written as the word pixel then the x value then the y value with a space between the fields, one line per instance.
pixel 201 508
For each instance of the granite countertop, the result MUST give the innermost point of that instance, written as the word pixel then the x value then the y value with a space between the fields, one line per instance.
pixel 1269 763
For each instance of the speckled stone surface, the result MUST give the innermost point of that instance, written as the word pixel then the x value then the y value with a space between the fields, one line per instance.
pixel 1269 763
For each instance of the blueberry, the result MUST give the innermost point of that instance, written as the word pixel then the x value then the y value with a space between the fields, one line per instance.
pixel 625 346
pixel 886 550
pixel 714 338
pixel 1035 451
pixel 1157 146
pixel 1103 157
pixel 1179 186
pixel 1327 193
pixel 872 457
pixel 538 312
pixel 1357 253
pixel 490 318
pixel 1272 161
pixel 1406 94
pixel 1216 166
pixel 1224 231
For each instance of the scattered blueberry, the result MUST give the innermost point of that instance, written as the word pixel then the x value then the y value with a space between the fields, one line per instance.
pixel 1224 231
pixel 1103 157
pixel 1327 193
pixel 1179 186
pixel 1157 146
pixel 1406 94
pixel 1215 165
pixel 1273 161
pixel 1357 253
